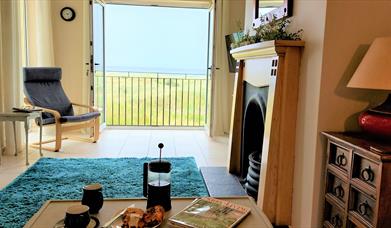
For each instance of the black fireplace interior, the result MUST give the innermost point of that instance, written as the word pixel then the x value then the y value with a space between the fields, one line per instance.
pixel 255 101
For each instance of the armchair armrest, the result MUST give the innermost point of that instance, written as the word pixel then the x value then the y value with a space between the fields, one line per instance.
pixel 51 111
pixel 55 113
pixel 91 108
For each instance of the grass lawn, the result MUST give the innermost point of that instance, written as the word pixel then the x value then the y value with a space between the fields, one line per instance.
pixel 150 99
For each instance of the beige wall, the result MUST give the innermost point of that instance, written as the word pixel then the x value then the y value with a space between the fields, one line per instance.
pixel 2 133
pixel 337 34
pixel 71 50
pixel 348 33
pixel 310 16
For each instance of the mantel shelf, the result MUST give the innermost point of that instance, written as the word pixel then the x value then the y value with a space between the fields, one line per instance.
pixel 263 49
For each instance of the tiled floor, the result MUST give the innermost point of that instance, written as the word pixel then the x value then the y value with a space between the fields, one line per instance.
pixel 129 143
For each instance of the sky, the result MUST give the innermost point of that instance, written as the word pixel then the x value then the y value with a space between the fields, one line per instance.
pixel 156 39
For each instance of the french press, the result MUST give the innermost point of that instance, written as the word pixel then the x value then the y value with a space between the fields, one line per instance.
pixel 157 182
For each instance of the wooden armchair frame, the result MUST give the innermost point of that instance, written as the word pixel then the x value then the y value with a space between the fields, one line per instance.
pixel 65 127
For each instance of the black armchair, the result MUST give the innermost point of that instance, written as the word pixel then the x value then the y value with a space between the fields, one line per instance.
pixel 42 88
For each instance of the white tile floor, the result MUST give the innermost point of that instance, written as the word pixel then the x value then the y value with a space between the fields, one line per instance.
pixel 129 143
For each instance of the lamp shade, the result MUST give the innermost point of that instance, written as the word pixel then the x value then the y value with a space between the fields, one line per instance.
pixel 374 71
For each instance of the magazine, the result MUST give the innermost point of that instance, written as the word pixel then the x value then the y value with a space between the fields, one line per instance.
pixel 209 212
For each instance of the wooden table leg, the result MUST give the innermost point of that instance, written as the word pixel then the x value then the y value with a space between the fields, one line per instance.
pixel 26 128
pixel 16 144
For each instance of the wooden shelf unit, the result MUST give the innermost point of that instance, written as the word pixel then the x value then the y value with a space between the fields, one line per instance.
pixel 358 181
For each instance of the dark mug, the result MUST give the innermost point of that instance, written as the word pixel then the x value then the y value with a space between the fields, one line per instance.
pixel 77 216
pixel 93 197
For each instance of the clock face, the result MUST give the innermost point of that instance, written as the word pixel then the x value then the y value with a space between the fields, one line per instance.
pixel 67 14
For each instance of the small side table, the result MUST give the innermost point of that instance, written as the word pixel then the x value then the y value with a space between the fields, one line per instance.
pixel 23 117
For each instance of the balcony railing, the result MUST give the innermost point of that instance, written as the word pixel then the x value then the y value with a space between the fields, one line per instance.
pixel 153 99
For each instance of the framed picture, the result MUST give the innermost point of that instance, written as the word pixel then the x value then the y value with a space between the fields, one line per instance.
pixel 230 39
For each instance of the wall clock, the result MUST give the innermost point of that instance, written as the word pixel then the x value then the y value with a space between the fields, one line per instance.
pixel 67 14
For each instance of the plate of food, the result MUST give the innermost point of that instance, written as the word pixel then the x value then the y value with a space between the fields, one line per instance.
pixel 132 217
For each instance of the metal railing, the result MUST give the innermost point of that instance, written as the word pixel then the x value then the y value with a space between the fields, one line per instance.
pixel 154 99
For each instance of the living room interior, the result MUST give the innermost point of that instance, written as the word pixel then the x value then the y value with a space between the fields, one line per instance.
pixel 291 129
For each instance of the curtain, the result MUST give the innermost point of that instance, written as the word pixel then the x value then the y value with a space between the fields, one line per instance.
pixel 39 33
pixel 13 58
pixel 228 15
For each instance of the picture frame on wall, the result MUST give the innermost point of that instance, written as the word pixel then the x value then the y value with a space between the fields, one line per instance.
pixel 230 39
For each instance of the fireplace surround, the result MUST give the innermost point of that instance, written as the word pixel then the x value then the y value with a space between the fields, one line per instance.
pixel 273 65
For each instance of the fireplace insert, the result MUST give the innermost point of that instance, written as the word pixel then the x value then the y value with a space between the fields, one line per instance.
pixel 255 101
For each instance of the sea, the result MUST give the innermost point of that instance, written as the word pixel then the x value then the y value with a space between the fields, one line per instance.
pixel 187 71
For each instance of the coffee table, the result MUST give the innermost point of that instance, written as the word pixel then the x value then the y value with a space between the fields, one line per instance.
pixel 54 210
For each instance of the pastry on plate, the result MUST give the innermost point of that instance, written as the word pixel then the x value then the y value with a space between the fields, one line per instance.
pixel 137 218
pixel 132 217
pixel 153 216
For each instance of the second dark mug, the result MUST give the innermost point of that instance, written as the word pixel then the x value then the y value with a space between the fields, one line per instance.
pixel 77 216
pixel 93 197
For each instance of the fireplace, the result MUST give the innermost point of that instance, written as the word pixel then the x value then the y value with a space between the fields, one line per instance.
pixel 263 124
pixel 255 101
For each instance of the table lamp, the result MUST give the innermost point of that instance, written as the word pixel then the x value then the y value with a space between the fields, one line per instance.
pixel 374 72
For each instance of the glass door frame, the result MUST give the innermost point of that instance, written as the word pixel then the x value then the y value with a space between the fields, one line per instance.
pixel 92 62
pixel 211 66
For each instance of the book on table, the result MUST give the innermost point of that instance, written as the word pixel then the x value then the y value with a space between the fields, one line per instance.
pixel 26 109
pixel 209 212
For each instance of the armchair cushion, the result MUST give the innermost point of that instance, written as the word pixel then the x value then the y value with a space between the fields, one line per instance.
pixel 64 119
pixel 43 88
pixel 79 118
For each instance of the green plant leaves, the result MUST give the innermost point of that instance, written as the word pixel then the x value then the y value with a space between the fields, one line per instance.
pixel 274 30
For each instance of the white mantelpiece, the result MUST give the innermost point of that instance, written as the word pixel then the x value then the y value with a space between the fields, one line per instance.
pixel 274 64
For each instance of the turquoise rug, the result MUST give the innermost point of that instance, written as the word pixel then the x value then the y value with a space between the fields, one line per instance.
pixel 52 178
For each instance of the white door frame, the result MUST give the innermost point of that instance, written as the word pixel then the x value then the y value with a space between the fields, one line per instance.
pixel 91 63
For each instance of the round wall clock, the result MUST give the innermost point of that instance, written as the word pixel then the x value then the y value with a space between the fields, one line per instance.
pixel 67 14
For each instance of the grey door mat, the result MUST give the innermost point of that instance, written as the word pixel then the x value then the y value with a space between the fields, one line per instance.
pixel 220 182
